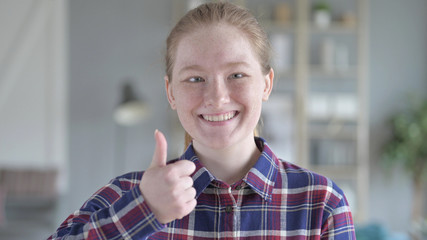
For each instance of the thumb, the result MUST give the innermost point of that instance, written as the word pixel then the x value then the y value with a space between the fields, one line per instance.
pixel 161 150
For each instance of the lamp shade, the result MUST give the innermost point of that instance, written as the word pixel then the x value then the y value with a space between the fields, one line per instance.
pixel 131 110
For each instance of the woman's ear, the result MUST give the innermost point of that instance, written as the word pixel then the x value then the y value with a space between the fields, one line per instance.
pixel 169 92
pixel 268 84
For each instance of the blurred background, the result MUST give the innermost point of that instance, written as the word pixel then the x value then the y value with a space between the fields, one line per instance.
pixel 82 91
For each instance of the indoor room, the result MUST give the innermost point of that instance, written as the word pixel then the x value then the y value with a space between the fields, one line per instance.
pixel 82 91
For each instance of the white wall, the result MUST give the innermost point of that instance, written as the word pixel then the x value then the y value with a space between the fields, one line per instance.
pixel 33 90
pixel 398 66
pixel 111 41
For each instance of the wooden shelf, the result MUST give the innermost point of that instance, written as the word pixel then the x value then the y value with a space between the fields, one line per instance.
pixel 333 131
pixel 343 172
pixel 336 73
pixel 334 28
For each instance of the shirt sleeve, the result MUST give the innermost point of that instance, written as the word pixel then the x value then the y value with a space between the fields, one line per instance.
pixel 111 213
pixel 339 222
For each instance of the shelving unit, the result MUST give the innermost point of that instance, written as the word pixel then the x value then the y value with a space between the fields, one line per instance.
pixel 329 98
pixel 321 103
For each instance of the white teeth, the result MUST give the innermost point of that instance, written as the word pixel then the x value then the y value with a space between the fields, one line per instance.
pixel 219 118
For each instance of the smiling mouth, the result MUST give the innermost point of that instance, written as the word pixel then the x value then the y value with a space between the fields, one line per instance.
pixel 219 117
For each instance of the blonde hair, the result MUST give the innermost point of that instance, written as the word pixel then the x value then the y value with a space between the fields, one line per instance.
pixel 214 13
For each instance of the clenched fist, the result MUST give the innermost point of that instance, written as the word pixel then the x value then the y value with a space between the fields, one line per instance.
pixel 168 188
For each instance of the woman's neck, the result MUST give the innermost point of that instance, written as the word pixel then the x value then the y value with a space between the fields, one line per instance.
pixel 229 164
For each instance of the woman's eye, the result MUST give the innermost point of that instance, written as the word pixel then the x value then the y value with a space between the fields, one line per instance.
pixel 237 75
pixel 195 79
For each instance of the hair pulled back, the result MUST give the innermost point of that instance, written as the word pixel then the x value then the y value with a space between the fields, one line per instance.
pixel 215 13
pixel 219 13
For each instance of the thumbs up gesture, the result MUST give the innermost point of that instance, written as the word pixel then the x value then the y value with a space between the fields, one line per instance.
pixel 168 188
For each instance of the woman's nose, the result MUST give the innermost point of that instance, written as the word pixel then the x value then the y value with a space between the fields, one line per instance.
pixel 217 93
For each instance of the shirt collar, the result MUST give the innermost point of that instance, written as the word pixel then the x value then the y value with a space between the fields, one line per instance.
pixel 261 178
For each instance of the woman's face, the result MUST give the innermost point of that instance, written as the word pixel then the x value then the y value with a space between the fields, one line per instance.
pixel 218 86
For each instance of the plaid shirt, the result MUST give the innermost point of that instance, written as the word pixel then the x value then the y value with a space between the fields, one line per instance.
pixel 276 200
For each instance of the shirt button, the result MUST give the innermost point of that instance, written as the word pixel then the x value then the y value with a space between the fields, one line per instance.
pixel 229 209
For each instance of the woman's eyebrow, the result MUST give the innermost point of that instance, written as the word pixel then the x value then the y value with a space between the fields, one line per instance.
pixel 196 67
pixel 193 67
pixel 239 63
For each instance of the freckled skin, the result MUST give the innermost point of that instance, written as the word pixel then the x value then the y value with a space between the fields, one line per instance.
pixel 216 72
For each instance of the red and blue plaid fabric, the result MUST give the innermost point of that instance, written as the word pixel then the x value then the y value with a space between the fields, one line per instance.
pixel 276 200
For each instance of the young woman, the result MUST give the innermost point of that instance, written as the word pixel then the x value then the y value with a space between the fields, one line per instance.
pixel 228 183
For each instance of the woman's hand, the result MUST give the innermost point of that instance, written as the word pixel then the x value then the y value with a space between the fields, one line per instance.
pixel 168 188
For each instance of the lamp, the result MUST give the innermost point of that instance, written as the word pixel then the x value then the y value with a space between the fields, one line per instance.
pixel 131 110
